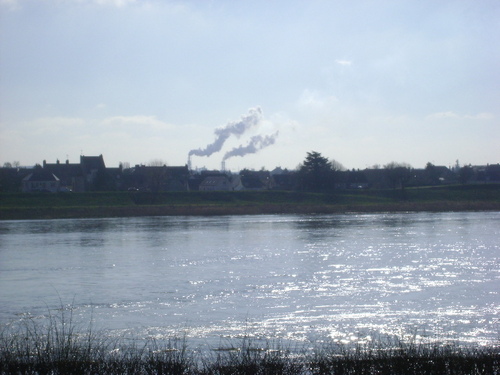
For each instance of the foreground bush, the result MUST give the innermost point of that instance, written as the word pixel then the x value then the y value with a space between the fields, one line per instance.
pixel 60 348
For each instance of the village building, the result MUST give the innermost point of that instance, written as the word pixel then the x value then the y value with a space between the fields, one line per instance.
pixel 41 180
pixel 156 178
pixel 215 183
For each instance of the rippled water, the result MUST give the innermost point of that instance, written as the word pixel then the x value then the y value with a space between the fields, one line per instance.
pixel 303 278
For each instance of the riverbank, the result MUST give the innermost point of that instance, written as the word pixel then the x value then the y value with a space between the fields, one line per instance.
pixel 211 210
pixel 124 204
pixel 60 348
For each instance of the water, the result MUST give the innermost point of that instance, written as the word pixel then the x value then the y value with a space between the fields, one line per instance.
pixel 298 278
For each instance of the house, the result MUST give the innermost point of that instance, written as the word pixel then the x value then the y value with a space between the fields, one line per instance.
pixel 40 180
pixel 492 173
pixel 11 178
pixel 157 178
pixel 177 178
pixel 89 174
pixel 256 180
pixel 487 173
pixel 70 174
pixel 216 183
pixel 287 180
pixel 95 174
pixel 357 180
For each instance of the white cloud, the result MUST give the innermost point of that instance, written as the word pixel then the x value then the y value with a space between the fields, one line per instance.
pixel 442 115
pixel 453 115
pixel 344 62
pixel 117 3
pixel 54 125
pixel 139 122
pixel 16 4
pixel 481 116
pixel 10 4
pixel 315 100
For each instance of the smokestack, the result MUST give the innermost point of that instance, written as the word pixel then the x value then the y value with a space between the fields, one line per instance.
pixel 223 166
pixel 236 128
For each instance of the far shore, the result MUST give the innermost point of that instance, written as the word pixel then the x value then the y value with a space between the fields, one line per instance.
pixel 25 206
pixel 34 213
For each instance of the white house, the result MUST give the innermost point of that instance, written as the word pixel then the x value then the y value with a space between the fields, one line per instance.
pixel 216 183
pixel 41 180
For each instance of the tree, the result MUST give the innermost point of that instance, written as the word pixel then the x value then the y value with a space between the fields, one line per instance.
pixel 316 172
pixel 104 181
pixel 465 174
pixel 14 164
pixel 432 173
pixel 157 170
pixel 157 163
pixel 398 174
pixel 336 165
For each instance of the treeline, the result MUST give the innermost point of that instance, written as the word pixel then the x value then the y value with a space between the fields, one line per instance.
pixel 315 174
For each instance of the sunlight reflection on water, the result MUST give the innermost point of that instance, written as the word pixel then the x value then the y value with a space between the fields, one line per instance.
pixel 304 278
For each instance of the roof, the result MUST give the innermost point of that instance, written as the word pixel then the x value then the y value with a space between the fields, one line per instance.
pixel 41 175
pixel 215 181
pixel 64 169
pixel 92 162
pixel 181 171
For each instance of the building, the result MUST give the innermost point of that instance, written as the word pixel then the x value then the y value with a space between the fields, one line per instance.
pixel 156 178
pixel 70 174
pixel 41 180
pixel 216 183
pixel 89 174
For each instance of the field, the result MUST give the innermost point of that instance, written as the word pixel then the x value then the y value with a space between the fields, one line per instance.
pixel 121 204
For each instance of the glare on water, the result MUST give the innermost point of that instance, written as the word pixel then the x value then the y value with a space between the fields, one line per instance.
pixel 302 278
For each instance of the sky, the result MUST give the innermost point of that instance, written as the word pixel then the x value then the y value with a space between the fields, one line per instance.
pixel 140 81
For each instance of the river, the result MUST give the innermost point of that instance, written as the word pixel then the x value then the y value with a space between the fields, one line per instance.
pixel 303 279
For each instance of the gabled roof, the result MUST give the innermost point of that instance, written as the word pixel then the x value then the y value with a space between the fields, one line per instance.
pixel 215 181
pixel 64 169
pixel 41 175
pixel 92 162
pixel 181 171
pixel 149 170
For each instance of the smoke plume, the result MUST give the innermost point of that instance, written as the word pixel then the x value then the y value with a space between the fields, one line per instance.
pixel 236 128
pixel 255 144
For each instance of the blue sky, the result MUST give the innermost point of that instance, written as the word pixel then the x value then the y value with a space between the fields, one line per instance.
pixel 361 82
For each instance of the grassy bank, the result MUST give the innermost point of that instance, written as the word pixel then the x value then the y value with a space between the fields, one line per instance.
pixel 60 348
pixel 122 204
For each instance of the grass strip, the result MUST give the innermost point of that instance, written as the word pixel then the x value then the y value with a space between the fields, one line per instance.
pixel 62 347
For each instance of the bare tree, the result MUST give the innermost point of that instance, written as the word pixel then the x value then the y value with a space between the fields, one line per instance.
pixel 124 165
pixel 14 164
pixel 157 163
pixel 398 174
pixel 465 174
pixel 157 174
pixel 336 165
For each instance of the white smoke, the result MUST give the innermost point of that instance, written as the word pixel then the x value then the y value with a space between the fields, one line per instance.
pixel 236 128
pixel 256 143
